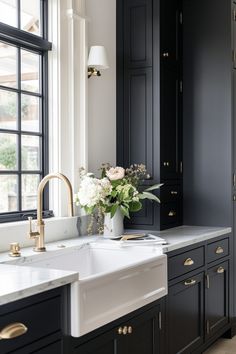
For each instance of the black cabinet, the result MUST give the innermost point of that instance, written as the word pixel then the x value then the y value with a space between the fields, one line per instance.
pixel 139 335
pixel 217 293
pixel 199 296
pixel 149 99
pixel 185 315
pixel 44 319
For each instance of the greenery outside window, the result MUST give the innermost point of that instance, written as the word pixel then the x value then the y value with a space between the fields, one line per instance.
pixel 23 106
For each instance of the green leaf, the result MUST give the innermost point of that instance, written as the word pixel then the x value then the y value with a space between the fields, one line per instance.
pixel 125 211
pixel 135 206
pixel 150 196
pixel 114 209
pixel 114 193
pixel 154 187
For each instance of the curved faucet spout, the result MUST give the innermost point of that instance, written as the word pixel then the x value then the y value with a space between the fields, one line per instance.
pixel 39 234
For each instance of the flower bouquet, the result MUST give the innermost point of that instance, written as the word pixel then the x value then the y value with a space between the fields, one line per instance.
pixel 115 195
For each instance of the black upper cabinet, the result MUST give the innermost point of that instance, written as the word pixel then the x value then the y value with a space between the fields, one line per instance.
pixel 137 33
pixel 149 108
pixel 138 118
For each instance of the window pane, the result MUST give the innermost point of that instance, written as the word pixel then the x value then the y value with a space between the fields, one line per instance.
pixel 29 113
pixel 30 16
pixel 8 65
pixel 8 151
pixel 29 191
pixel 30 153
pixel 30 71
pixel 8 192
pixel 8 12
pixel 8 110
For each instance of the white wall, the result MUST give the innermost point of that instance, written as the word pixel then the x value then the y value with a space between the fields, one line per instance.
pixel 102 90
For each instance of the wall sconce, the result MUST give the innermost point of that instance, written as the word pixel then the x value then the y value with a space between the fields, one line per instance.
pixel 97 61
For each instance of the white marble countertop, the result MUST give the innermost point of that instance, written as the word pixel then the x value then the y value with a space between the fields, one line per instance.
pixel 184 236
pixel 17 282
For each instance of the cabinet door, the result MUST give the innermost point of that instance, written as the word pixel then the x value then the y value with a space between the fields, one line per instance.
pixel 171 123
pixel 217 305
pixel 145 336
pixel 170 35
pixel 139 335
pixel 234 33
pixel 137 33
pixel 185 315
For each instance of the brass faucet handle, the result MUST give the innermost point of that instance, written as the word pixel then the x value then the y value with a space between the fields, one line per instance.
pixel 14 249
pixel 32 234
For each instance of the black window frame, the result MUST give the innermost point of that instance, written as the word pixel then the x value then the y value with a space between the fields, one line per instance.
pixel 37 44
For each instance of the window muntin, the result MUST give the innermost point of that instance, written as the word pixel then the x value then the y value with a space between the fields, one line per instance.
pixel 23 111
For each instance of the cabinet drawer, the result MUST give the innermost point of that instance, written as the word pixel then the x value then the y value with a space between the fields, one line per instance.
pixel 41 320
pixel 217 250
pixel 185 262
pixel 171 213
pixel 170 193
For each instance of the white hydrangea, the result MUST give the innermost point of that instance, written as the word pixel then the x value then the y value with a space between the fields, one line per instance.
pixel 93 190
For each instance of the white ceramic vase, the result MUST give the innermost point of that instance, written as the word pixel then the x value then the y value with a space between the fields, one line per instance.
pixel 113 227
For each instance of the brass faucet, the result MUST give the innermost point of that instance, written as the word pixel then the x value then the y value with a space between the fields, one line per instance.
pixel 39 234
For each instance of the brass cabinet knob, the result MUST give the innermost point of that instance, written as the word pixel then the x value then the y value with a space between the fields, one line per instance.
pixel 188 262
pixel 219 250
pixel 13 330
pixel 190 282
pixel 220 270
pixel 130 329
pixel 120 330
pixel 172 213
pixel 14 249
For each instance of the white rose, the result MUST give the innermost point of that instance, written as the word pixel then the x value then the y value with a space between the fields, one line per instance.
pixel 115 173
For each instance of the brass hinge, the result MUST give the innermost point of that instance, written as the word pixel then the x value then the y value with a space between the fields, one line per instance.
pixel 181 166
pixel 208 326
pixel 207 281
pixel 234 180
pixel 181 18
pixel 159 320
pixel 181 86
pixel 234 198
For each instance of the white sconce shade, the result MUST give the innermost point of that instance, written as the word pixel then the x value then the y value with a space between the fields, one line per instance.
pixel 98 58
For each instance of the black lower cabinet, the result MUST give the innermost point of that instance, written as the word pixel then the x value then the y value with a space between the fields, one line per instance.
pixel 217 293
pixel 139 335
pixel 185 315
pixel 198 301
pixel 43 316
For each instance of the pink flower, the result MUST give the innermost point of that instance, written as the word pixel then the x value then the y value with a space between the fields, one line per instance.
pixel 115 173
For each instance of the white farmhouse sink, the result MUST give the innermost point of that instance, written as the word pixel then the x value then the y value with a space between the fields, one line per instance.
pixel 112 280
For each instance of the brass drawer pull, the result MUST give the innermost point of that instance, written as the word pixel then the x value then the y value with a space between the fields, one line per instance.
pixel 166 164
pixel 188 262
pixel 173 192
pixel 219 250
pixel 13 330
pixel 165 55
pixel 172 213
pixel 190 282
pixel 220 270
